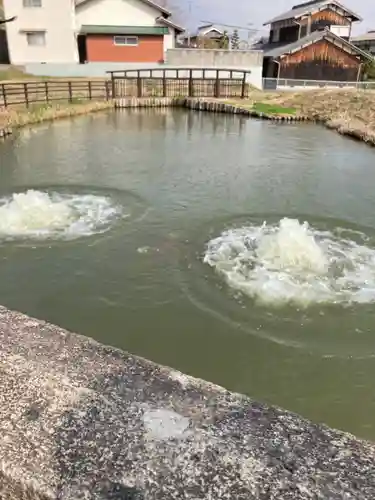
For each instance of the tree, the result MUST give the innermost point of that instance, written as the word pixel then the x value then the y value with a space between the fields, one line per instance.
pixel 368 71
pixel 9 20
pixel 235 42
pixel 224 41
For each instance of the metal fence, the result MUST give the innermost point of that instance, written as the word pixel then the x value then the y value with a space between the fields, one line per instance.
pixel 27 93
pixel 287 83
pixel 180 82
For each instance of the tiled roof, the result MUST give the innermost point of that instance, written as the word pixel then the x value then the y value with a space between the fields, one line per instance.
pixel 310 7
pixel 370 35
pixel 123 30
pixel 172 24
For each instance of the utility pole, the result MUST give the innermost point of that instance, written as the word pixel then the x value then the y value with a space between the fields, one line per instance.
pixel 189 11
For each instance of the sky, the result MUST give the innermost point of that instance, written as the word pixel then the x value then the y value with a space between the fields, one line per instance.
pixel 242 12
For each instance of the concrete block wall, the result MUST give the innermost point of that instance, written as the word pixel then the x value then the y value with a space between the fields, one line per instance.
pixel 251 60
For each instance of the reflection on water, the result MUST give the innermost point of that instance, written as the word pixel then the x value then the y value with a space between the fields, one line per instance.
pixel 193 184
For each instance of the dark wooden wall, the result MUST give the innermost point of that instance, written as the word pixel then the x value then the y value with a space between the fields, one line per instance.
pixel 289 34
pixel 331 16
pixel 324 18
pixel 270 68
pixel 320 61
pixel 318 21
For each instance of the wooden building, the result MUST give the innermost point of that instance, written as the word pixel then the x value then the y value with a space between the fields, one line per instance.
pixel 311 42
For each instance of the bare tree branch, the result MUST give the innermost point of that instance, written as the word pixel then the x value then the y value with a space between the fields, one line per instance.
pixel 9 20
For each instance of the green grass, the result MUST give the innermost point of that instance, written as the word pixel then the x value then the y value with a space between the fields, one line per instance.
pixel 272 109
pixel 39 107
pixel 13 74
pixel 263 107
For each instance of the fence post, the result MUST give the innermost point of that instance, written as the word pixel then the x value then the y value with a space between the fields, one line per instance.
pixel 164 84
pixel 90 91
pixel 70 91
pixel 106 84
pixel 243 89
pixel 26 94
pixel 217 85
pixel 191 84
pixel 139 84
pixel 46 91
pixel 3 88
pixel 113 85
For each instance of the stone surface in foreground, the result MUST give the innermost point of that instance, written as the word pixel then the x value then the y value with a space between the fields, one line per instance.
pixel 79 420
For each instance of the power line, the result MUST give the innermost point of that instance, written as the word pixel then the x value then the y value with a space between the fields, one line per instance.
pixel 247 28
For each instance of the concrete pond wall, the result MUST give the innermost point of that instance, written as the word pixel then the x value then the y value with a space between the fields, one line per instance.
pixel 80 420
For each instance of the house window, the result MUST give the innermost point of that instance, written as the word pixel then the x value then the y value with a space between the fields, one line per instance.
pixel 36 38
pixel 125 40
pixel 32 3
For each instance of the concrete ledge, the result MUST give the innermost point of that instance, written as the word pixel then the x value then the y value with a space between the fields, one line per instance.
pixel 79 420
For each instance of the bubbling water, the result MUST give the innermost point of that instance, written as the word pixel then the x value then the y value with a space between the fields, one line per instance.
pixel 42 215
pixel 293 263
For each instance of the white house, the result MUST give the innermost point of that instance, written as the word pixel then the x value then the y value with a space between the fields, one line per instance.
pixel 80 31
pixel 205 32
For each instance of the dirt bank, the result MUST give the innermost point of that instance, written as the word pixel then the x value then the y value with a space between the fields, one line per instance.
pixel 350 112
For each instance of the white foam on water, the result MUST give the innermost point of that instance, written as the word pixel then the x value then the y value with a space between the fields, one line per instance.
pixel 42 215
pixel 293 263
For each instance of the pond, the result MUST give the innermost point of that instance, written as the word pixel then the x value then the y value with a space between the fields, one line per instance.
pixel 235 250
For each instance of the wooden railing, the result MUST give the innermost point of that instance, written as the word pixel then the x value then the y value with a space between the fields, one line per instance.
pixel 155 82
pixel 180 82
pixel 27 93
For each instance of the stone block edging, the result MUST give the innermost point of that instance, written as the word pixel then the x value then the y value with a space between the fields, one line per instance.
pixel 215 106
pixel 201 104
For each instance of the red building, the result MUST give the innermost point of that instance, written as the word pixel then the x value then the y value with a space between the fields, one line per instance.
pixel 124 31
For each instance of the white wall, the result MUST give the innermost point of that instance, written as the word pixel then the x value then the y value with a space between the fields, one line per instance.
pixel 56 17
pixel 115 13
pixel 169 40
pixel 340 30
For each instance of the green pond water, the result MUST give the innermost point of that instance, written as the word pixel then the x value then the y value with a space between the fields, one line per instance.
pixel 180 236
